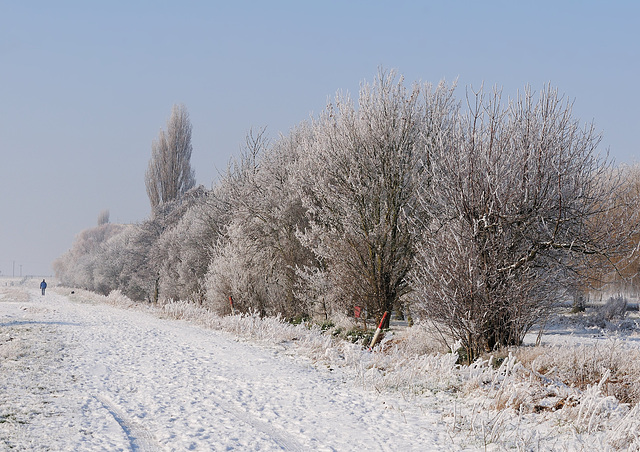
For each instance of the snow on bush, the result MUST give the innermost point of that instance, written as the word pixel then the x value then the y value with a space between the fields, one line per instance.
pixel 626 434
pixel 583 365
pixel 615 307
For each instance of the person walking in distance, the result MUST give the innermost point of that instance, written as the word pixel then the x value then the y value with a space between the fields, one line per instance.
pixel 43 286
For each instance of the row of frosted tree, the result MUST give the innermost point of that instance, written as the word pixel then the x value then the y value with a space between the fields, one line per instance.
pixel 476 214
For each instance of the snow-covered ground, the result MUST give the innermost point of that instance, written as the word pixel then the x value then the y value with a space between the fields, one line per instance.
pixel 77 374
pixel 94 377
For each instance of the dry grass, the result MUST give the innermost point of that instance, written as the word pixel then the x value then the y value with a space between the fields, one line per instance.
pixel 15 294
pixel 583 366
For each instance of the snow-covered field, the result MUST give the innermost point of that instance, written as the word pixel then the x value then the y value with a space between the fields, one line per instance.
pixel 80 372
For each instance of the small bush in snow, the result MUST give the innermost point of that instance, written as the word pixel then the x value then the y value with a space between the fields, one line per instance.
pixel 614 308
pixel 587 365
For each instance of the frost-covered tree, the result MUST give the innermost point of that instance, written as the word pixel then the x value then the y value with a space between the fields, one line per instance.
pixel 628 265
pixel 113 270
pixel 103 217
pixel 186 250
pixel 155 243
pixel 169 174
pixel 622 214
pixel 77 267
pixel 515 201
pixel 360 174
pixel 255 262
pixel 164 257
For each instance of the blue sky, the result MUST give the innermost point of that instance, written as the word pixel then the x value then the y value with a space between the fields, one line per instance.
pixel 85 86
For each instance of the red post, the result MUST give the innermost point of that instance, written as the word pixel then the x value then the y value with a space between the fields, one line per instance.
pixel 378 331
pixel 233 311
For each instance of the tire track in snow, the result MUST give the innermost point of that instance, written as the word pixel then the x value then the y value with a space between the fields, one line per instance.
pixel 140 438
pixel 288 444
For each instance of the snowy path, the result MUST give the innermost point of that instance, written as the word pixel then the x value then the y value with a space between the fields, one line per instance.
pixel 102 378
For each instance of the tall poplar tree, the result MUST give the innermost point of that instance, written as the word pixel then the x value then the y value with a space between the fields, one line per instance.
pixel 169 174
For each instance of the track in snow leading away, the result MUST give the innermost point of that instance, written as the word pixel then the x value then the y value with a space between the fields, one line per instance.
pixel 140 439
pixel 114 379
